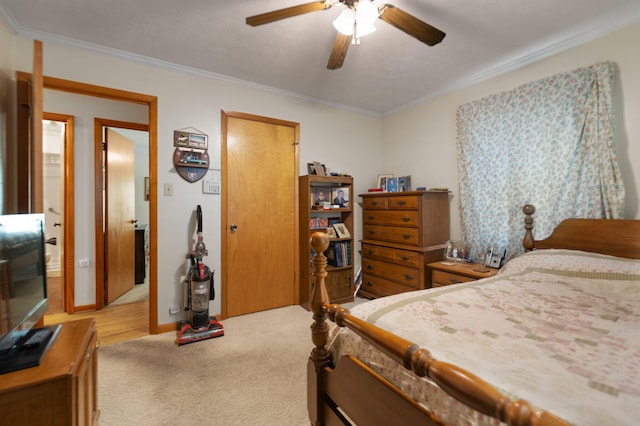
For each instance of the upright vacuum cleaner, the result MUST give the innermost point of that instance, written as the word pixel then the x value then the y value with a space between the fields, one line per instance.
pixel 198 292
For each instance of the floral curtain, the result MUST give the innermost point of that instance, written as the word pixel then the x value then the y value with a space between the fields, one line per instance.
pixel 549 143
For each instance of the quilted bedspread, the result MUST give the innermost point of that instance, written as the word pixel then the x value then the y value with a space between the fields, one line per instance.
pixel 558 328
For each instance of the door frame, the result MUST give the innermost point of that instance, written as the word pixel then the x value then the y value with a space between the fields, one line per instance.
pixel 68 212
pixel 151 102
pixel 98 125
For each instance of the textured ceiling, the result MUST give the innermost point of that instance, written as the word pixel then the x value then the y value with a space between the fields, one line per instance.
pixel 388 71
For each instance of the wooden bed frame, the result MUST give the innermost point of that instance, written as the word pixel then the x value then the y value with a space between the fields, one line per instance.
pixel 352 393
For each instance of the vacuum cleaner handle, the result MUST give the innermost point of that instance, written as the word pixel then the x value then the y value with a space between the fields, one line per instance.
pixel 199 213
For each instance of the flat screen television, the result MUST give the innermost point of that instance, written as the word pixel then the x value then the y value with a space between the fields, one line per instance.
pixel 23 292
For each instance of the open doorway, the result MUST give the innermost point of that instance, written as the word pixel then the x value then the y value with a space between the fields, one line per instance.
pixel 150 105
pixel 125 148
pixel 57 140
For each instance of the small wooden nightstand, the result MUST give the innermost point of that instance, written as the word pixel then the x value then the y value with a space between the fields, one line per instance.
pixel 444 273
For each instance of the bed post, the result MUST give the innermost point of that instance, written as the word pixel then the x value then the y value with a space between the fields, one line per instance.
pixel 319 357
pixel 528 242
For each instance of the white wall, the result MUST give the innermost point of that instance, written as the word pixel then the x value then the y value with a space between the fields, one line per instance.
pixel 427 132
pixel 343 140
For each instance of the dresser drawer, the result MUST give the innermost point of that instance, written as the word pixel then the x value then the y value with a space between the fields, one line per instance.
pixel 441 278
pixel 401 257
pixel 391 217
pixel 373 286
pixel 375 203
pixel 409 202
pixel 400 274
pixel 392 234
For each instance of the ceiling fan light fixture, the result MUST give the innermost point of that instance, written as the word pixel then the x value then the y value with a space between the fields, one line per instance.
pixel 366 13
pixel 345 21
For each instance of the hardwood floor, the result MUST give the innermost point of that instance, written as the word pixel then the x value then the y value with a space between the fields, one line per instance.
pixel 114 323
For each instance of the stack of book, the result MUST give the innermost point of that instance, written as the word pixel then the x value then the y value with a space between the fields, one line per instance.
pixel 339 254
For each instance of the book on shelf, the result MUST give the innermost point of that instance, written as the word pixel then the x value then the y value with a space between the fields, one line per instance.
pixel 338 254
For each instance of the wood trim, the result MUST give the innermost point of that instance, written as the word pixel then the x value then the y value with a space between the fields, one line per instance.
pixel 97 91
pixel 153 215
pixel 68 213
pixel 36 130
pixel 20 193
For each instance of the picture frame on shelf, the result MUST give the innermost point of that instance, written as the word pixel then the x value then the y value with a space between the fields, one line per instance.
pixel 319 168
pixel 342 230
pixel 392 184
pixel 457 251
pixel 382 181
pixel 404 183
pixel 319 196
pixel 331 232
pixel 340 197
pixel 311 169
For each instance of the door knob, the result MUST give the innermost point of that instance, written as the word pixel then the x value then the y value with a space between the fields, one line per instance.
pixel 134 222
pixel 57 224
pixel 233 228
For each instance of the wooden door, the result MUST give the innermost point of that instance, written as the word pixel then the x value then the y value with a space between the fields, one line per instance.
pixel 259 205
pixel 119 215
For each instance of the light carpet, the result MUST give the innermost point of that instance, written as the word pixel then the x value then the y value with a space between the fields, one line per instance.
pixel 253 375
pixel 138 293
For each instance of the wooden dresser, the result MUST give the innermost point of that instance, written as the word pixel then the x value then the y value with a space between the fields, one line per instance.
pixel 62 390
pixel 402 232
pixel 447 273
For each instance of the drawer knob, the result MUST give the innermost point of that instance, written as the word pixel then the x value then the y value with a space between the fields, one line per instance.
pixel 454 281
pixel 369 284
pixel 402 203
pixel 406 236
pixel 374 203
pixel 406 219
pixel 369 267
pixel 369 251
pixel 408 277
pixel 371 217
pixel 371 232
pixel 404 258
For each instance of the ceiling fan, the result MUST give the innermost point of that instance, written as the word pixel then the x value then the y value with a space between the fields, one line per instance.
pixel 354 22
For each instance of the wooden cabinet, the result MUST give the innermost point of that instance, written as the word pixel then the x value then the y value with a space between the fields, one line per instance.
pixel 62 390
pixel 402 232
pixel 314 217
pixel 447 273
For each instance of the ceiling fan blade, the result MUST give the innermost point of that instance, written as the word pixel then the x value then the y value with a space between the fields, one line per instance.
pixel 339 51
pixel 411 25
pixel 287 12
